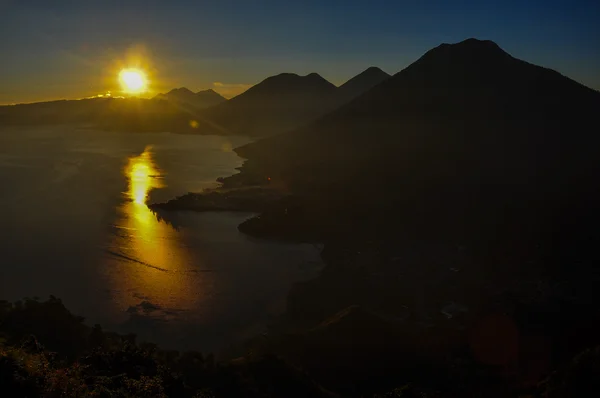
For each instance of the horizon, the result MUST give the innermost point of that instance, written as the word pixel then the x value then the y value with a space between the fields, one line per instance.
pixel 228 96
pixel 148 95
pixel 72 54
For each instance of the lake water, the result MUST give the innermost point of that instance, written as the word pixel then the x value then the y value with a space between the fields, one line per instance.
pixel 75 225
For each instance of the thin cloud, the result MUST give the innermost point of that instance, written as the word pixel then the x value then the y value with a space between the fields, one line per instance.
pixel 229 90
pixel 108 94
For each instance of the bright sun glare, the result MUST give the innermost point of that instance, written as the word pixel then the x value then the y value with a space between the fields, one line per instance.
pixel 132 80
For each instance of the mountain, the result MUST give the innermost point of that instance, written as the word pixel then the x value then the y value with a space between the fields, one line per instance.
pixel 466 138
pixel 209 98
pixel 453 98
pixel 361 83
pixel 277 104
pixel 181 94
pixel 287 101
pixel 185 97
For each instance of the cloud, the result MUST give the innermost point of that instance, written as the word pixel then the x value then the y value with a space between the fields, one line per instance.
pixel 229 90
pixel 105 95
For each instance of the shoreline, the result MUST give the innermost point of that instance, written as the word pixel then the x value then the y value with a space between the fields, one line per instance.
pixel 247 199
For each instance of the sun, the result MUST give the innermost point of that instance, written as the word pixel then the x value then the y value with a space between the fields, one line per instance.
pixel 133 80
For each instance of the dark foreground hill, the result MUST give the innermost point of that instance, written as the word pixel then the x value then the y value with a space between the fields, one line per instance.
pixel 46 351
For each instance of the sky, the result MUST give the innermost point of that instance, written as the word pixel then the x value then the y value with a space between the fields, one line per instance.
pixel 74 49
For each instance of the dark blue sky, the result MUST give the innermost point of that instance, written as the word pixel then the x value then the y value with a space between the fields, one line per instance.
pixel 70 49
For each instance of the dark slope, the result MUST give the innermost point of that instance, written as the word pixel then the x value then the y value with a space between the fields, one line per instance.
pixel 277 104
pixel 361 83
pixel 465 132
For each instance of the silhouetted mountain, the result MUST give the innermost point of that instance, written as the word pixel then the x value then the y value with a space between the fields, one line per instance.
pixel 186 98
pixel 361 83
pixel 287 101
pixel 178 94
pixel 209 98
pixel 277 104
pixel 465 133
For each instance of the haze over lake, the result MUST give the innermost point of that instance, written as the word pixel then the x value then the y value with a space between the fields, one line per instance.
pixel 75 225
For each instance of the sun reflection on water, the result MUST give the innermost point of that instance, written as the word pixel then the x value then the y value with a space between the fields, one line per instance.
pixel 143 177
pixel 158 265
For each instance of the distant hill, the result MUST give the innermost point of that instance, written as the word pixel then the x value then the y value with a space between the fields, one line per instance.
pixel 123 114
pixel 199 100
pixel 465 135
pixel 176 111
pixel 361 83
pixel 287 101
pixel 181 94
pixel 210 97
pixel 277 104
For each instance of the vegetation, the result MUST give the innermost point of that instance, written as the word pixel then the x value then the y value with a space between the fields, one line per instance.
pixel 45 351
pixel 48 352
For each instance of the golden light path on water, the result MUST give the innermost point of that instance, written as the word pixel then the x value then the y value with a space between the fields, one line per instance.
pixel 143 176
pixel 158 268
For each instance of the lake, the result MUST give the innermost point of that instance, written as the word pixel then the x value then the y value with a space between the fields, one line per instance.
pixel 75 225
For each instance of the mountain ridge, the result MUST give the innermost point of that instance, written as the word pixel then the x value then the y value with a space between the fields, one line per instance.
pixel 186 97
pixel 457 104
pixel 361 83
pixel 276 104
pixel 286 101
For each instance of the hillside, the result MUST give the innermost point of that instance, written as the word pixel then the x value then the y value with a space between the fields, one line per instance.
pixel 186 98
pixel 361 83
pixel 277 104
pixel 287 101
